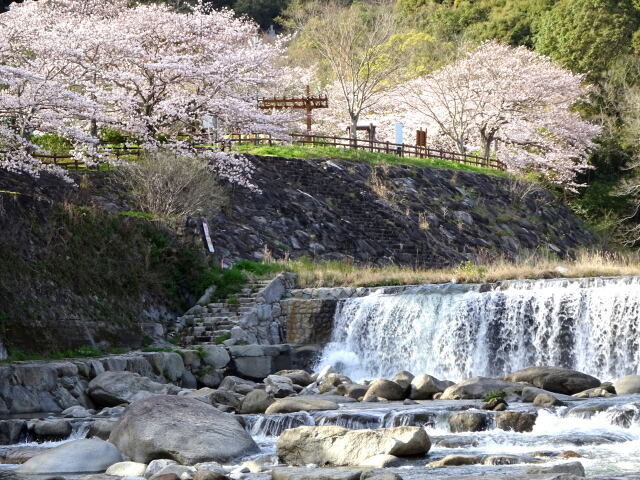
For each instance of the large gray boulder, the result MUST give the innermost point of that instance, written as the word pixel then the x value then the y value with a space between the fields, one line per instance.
pixel 337 446
pixel 382 388
pixel 279 386
pixel 302 403
pixel 114 388
pixel 628 385
pixel 424 386
pixel 256 401
pixel 215 356
pixel 80 456
pixel 479 387
pixel 179 428
pixel 555 379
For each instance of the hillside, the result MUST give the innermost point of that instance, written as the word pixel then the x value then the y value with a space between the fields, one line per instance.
pixel 337 210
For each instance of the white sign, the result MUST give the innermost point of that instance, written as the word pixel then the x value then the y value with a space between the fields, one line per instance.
pixel 207 236
pixel 399 136
pixel 208 122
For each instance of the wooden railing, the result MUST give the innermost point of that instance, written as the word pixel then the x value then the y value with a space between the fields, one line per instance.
pixel 401 150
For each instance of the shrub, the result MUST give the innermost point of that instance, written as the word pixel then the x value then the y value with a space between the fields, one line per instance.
pixel 170 186
pixel 491 395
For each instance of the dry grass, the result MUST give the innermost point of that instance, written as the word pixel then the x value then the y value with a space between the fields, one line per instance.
pixel 586 264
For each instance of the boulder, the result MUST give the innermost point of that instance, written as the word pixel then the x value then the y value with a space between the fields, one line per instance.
pixel 339 446
pixel 628 385
pixel 555 379
pixel 11 431
pixel 403 379
pixel 456 461
pixel 77 412
pixel 496 404
pixel 156 466
pixel 216 397
pixel 182 472
pixel 301 404
pixel 572 468
pixel 382 388
pixel 80 456
pixel 279 386
pixel 209 475
pixel 52 429
pixel 597 392
pixel 182 429
pixel 127 469
pixel 379 475
pixel 237 384
pixel 102 428
pixel 546 400
pixel 215 356
pixel 381 461
pixel 468 422
pixel 304 473
pixel 530 393
pixel 480 387
pixel 256 401
pixel 114 388
pixel 424 386
pixel 353 390
pixel 330 381
pixel 516 421
pixel 298 377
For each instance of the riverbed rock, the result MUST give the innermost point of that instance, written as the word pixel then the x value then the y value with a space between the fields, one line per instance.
pixel 330 381
pixel 11 431
pixel 237 384
pixel 480 387
pixel 496 404
pixel 379 475
pixel 156 465
pixel 298 377
pixel 403 379
pixel 216 397
pixel 468 422
pixel 516 421
pixel 215 356
pixel 546 400
pixel 80 456
pixel 572 468
pixel 339 446
pixel 628 385
pixel 353 390
pixel 555 379
pixel 279 386
pixel 54 429
pixel 424 386
pixel 455 460
pixel 381 461
pixel 256 401
pixel 597 392
pixel 114 388
pixel 303 473
pixel 182 429
pixel 301 404
pixel 127 469
pixel 382 388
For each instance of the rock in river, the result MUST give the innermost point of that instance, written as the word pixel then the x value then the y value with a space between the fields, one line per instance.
pixel 80 456
pixel 114 388
pixel 339 446
pixel 183 429
pixel 555 379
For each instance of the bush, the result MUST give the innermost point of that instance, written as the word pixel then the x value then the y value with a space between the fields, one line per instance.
pixel 171 187
pixel 491 395
pixel 52 144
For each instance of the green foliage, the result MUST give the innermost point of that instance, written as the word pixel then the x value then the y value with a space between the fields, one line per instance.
pixel 259 269
pixel 52 144
pixel 491 395
pixel 586 35
pixel 112 136
pixel 470 269
pixel 220 339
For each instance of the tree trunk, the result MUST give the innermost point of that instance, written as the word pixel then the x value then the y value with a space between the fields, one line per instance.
pixel 354 130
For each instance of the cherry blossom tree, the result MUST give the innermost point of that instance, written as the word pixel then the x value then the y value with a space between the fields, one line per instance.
pixel 71 66
pixel 510 102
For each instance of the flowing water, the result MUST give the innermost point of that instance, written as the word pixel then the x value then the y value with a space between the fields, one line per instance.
pixel 458 331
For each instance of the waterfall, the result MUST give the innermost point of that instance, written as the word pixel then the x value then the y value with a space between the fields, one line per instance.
pixel 458 331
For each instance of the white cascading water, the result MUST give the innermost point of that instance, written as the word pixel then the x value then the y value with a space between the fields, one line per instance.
pixel 457 331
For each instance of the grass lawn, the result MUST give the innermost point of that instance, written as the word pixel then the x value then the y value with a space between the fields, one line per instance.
pixel 373 158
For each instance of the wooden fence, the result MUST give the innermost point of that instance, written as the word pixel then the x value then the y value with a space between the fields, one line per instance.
pixel 401 150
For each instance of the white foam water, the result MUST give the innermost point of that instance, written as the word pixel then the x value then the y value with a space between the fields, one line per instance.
pixel 458 331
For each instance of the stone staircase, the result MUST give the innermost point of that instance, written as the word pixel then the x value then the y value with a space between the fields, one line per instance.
pixel 215 322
